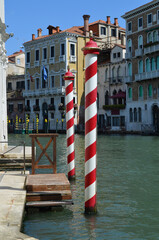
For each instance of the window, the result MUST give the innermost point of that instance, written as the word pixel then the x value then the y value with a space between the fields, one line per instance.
pixel 113 32
pixel 52 51
pixel 141 92
pixel 116 121
pixel 149 90
pixel 36 55
pixel 52 115
pixel 149 19
pixel 147 65
pixel 106 75
pixel 37 83
pixel 103 31
pixel 130 69
pixel 37 102
pixel 44 53
pixel 62 49
pixel 153 64
pixel 9 86
pixel 140 42
pixel 129 26
pixel 140 114
pixel 114 55
pixel 62 80
pixel 10 107
pixel 130 93
pixel 135 115
pixel 28 84
pixel 72 49
pixel 141 66
pixel 28 103
pixel 18 61
pixel 52 101
pixel 155 36
pixel 107 98
pixel 52 81
pixel 140 23
pixel 129 45
pixel 149 37
pixel 63 100
pixel 28 57
pixel 118 54
pixel 113 73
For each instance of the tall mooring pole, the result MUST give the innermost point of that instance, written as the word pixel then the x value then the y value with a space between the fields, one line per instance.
pixel 69 78
pixel 90 51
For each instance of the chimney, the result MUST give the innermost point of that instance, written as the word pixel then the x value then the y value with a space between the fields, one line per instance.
pixel 33 37
pixel 86 26
pixel 39 31
pixel 58 29
pixel 116 22
pixel 108 20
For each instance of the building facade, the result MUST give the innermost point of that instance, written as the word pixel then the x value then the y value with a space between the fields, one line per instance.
pixel 112 90
pixel 51 54
pixel 142 54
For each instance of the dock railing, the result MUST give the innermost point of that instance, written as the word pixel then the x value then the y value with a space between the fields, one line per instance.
pixel 9 150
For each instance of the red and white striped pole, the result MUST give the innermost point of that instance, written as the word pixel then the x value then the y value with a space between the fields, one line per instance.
pixel 90 51
pixel 69 77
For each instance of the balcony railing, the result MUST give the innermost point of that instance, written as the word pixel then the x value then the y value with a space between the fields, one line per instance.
pixel 146 75
pixel 51 107
pixel 52 60
pixel 62 58
pixel 72 58
pixel 36 63
pixel 154 47
pixel 138 52
pixel 115 80
pixel 42 92
pixel 36 108
pixel 128 79
pixel 27 108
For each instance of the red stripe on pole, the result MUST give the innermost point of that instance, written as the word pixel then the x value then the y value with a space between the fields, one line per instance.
pixel 70 123
pixel 90 151
pixel 91 124
pixel 91 71
pixel 91 98
pixel 91 202
pixel 69 106
pixel 71 173
pixel 90 178
pixel 70 140
pixel 69 88
pixel 71 157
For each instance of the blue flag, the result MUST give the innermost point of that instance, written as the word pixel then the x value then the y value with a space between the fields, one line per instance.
pixel 45 73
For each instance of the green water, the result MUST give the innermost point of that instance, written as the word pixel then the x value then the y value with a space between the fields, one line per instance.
pixel 127 192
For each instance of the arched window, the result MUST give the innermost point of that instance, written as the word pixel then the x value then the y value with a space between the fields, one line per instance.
pixel 130 45
pixel 106 74
pixel 140 41
pixel 140 114
pixel 119 74
pixel 153 64
pixel 130 93
pixel 107 98
pixel 135 115
pixel 157 63
pixel 141 66
pixel 129 69
pixel 141 92
pixel 113 72
pixel 130 115
pixel 147 65
pixel 119 99
pixel 149 90
pixel 149 37
pixel 155 36
pixel 114 99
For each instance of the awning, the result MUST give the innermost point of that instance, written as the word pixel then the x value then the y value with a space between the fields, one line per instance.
pixel 119 95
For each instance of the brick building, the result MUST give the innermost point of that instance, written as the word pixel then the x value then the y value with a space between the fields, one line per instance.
pixel 142 55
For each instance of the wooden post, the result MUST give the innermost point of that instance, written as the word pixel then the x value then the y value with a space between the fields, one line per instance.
pixel 33 155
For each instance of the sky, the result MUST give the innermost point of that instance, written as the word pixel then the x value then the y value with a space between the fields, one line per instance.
pixel 24 17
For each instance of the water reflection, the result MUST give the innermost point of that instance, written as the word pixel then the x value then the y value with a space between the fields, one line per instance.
pixel 127 192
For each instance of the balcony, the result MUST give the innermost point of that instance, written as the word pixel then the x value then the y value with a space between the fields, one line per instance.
pixel 128 79
pixel 151 47
pixel 128 55
pixel 73 59
pixel 36 63
pixel 62 58
pixel 51 60
pixel 138 52
pixel 51 107
pixel 44 61
pixel 44 92
pixel 36 108
pixel 146 75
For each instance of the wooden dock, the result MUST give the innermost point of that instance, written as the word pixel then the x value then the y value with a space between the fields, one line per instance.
pixel 48 190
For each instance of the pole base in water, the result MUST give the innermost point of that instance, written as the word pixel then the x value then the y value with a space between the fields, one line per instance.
pixel 90 210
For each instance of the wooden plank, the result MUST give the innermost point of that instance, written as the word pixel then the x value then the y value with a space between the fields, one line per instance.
pixel 54 155
pixel 43 135
pixel 44 151
pixel 43 166
pixel 45 196
pixel 48 203
pixel 33 155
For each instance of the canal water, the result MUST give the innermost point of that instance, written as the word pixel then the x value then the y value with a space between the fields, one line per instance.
pixel 127 192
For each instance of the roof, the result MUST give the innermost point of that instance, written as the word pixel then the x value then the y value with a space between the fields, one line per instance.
pixel 11 58
pixel 79 30
pixel 119 45
pixel 139 8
